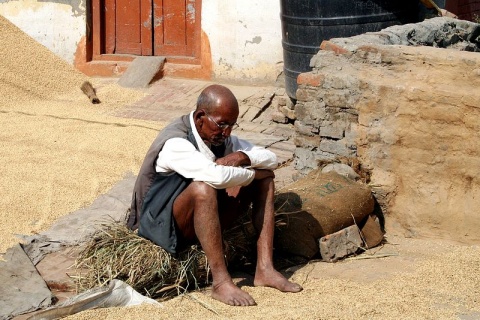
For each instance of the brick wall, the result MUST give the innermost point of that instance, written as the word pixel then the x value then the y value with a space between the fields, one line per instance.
pixel 407 118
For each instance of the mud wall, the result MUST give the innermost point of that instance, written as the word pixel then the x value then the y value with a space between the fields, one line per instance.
pixel 406 117
pixel 244 37
pixel 58 25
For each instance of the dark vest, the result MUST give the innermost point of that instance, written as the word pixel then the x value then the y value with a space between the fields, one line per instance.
pixel 154 193
pixel 177 129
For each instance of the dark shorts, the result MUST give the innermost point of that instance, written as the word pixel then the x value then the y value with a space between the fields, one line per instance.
pixel 157 222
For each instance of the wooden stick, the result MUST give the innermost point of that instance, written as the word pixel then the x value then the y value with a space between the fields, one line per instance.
pixel 431 4
pixel 373 256
pixel 88 89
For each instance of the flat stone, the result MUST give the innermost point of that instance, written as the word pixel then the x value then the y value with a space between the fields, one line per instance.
pixel 23 289
pixel 372 232
pixel 141 72
pixel 340 244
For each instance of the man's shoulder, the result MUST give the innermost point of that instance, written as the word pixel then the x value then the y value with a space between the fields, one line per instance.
pixel 182 120
pixel 181 125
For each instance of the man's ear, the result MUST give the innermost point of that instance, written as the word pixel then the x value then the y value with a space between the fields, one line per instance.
pixel 198 114
pixel 198 117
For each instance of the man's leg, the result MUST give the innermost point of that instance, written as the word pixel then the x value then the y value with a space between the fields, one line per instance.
pixel 196 213
pixel 264 222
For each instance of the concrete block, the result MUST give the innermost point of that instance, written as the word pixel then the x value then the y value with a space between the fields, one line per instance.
pixel 333 129
pixel 305 95
pixel 141 72
pixel 304 129
pixel 303 141
pixel 340 244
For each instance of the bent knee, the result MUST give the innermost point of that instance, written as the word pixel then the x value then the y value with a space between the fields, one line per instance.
pixel 265 182
pixel 201 190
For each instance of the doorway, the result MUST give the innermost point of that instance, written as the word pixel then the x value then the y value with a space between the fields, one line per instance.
pixel 169 28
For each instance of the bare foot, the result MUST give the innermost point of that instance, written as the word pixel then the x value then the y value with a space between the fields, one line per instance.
pixel 227 292
pixel 273 278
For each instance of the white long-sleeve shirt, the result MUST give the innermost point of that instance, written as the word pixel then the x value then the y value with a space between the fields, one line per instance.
pixel 181 156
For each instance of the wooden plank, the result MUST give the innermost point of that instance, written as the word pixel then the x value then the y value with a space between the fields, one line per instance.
pixel 174 21
pixel 109 19
pixel 146 19
pixel 128 32
pixel 177 31
pixel 190 25
pixel 158 27
pixel 96 30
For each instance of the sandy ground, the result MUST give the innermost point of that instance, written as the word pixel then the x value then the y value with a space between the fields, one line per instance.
pixel 425 280
pixel 59 152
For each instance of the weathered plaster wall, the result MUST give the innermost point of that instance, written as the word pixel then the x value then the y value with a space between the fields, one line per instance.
pixel 245 38
pixel 58 25
pixel 408 117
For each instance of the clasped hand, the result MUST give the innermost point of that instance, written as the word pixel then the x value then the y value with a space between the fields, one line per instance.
pixel 240 159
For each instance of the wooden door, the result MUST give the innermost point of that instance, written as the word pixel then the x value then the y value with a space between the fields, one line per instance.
pixel 128 27
pixel 174 27
pixel 168 28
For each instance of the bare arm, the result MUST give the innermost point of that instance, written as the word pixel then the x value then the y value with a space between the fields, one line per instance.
pixel 239 158
pixel 263 173
pixel 235 159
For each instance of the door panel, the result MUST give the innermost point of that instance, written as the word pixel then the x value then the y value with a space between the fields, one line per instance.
pixel 174 27
pixel 174 22
pixel 109 23
pixel 127 24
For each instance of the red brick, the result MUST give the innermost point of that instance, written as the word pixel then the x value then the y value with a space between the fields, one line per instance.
pixel 311 79
pixel 329 46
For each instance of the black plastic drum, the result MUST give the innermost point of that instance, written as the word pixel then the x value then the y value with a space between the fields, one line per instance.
pixel 306 23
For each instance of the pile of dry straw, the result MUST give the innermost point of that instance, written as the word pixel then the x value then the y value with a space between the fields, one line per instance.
pixel 116 252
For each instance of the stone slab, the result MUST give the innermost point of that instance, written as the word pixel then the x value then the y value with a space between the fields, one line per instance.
pixel 340 244
pixel 141 72
pixel 22 289
pixel 372 232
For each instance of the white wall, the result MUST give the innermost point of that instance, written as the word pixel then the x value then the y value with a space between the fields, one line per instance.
pixel 59 27
pixel 245 38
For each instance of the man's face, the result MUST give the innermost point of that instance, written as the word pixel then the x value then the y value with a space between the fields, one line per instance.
pixel 217 126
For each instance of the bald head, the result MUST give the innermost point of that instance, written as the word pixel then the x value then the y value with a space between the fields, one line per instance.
pixel 216 114
pixel 216 97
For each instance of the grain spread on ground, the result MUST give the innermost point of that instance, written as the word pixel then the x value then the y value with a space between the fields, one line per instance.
pixel 59 152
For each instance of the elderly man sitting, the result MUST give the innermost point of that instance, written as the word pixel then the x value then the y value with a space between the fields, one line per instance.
pixel 196 179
